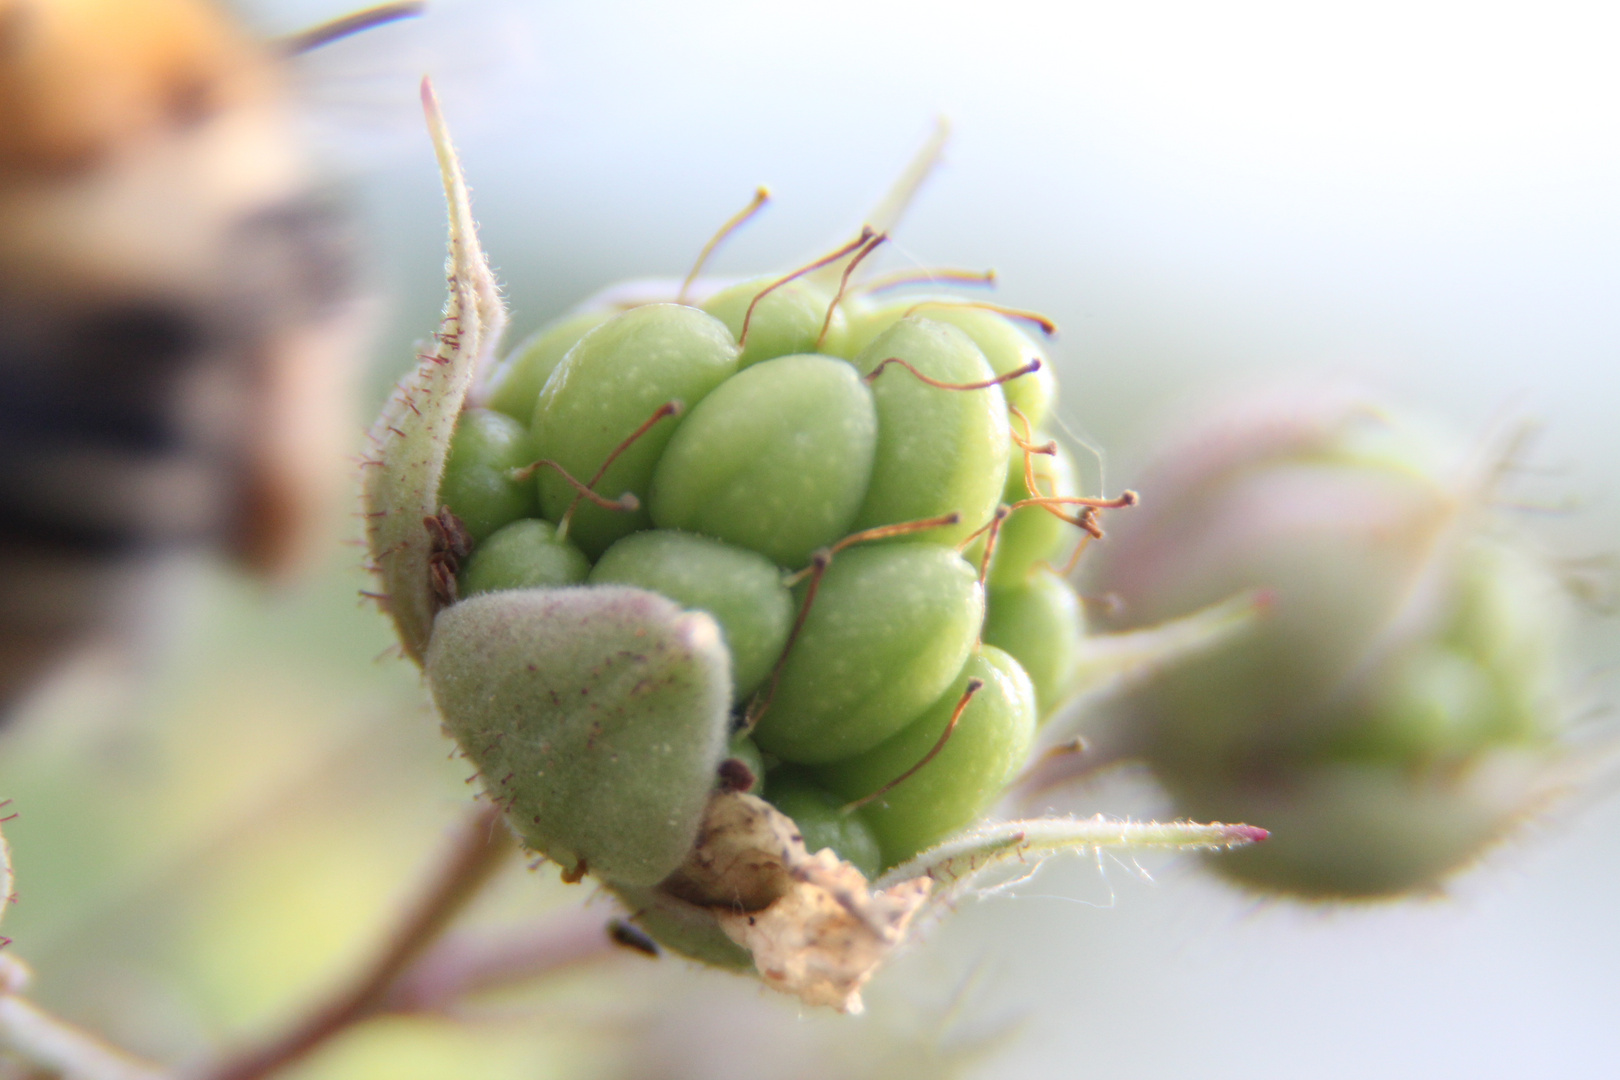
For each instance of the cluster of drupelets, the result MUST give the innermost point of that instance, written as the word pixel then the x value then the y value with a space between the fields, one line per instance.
pixel 858 490
pixel 1402 705
pixel 799 539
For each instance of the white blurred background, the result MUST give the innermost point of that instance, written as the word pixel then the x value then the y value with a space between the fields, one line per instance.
pixel 1423 197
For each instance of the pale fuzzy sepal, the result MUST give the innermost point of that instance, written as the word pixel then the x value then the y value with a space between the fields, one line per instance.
pixel 412 439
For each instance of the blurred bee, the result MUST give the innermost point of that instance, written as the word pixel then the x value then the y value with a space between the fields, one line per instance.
pixel 179 309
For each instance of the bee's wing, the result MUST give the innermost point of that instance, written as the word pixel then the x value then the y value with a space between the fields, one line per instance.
pixel 356 98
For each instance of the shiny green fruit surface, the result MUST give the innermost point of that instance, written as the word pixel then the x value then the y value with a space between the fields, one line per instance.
pixel 523 555
pixel 516 386
pixel 742 589
pixel 939 451
pixel 1005 346
pixel 787 320
pixel 777 459
pixel 607 386
pixel 889 630
pixel 1041 625
pixel 983 753
pixel 478 485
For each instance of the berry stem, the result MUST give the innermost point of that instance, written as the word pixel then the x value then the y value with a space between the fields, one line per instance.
pixel 55 1045
pixel 990 541
pixel 472 962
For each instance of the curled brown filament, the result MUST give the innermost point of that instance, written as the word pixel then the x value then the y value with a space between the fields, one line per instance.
pixel 1028 369
pixel 974 685
pixel 626 502
pixel 762 195
pixel 1047 326
pixel 819 561
pixel 843 283
pixel 867 232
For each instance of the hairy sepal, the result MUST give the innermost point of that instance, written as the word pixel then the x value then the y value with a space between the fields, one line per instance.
pixel 596 715
pixel 411 440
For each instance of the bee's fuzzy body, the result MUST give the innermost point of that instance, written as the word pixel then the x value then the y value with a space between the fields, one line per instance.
pixel 177 306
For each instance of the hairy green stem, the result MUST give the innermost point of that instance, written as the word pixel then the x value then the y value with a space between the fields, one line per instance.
pixel 956 862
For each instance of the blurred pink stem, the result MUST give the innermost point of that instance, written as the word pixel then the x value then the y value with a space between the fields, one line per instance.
pixel 480 847
pixel 468 963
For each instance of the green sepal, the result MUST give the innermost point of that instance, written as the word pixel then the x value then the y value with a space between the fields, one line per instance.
pixel 596 715
pixel 412 438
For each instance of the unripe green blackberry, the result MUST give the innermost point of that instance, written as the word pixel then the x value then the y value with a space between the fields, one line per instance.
pixel 914 799
pixel 742 589
pixel 748 579
pixel 1397 709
